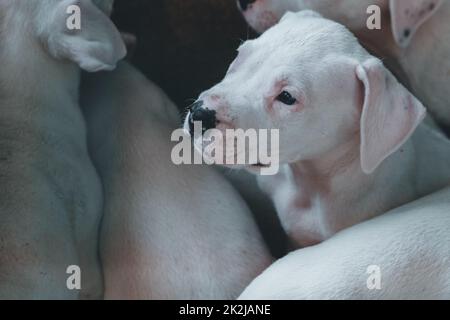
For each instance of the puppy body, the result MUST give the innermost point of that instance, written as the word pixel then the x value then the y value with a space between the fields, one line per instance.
pixel 169 232
pixel 349 148
pixel 50 193
pixel 407 249
pixel 315 199
pixel 426 64
pixel 415 48
pixel 50 202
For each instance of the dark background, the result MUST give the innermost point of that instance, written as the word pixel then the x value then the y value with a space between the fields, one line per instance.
pixel 185 46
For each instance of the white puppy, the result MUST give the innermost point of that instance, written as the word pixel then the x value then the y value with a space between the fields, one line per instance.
pixel 50 194
pixel 169 232
pixel 413 39
pixel 345 125
pixel 400 255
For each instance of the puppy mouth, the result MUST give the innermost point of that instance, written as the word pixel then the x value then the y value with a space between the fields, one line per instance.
pixel 256 168
pixel 259 165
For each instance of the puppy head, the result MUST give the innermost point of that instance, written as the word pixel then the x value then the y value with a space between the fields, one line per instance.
pixel 97 45
pixel 406 15
pixel 309 78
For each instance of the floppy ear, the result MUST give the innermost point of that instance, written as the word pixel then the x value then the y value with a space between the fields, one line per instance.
pixel 389 117
pixel 408 15
pixel 97 46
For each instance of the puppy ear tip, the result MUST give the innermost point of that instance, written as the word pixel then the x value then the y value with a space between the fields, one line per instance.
pixel 373 62
pixel 366 168
pixel 368 65
pixel 97 66
pixel 421 111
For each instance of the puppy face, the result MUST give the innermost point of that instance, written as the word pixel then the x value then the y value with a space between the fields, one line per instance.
pixel 300 77
pixel 291 79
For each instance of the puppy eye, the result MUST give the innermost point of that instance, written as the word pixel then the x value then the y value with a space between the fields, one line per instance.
pixel 286 98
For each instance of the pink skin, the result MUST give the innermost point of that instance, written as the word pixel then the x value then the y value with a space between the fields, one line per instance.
pixel 263 21
pixel 219 104
pixel 263 14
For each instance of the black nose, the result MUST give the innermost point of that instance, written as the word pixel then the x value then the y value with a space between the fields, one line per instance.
pixel 200 114
pixel 245 3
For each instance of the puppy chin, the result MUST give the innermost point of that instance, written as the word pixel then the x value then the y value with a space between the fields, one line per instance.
pixel 261 169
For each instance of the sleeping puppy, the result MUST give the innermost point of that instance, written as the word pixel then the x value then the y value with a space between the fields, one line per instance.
pixel 413 38
pixel 400 255
pixel 351 144
pixel 169 232
pixel 50 194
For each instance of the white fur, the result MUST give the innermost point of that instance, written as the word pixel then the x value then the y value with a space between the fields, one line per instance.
pixel 410 245
pixel 169 232
pixel 345 148
pixel 50 194
pixel 422 58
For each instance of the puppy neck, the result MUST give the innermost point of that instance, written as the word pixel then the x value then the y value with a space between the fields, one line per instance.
pixel 340 161
pixel 335 189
